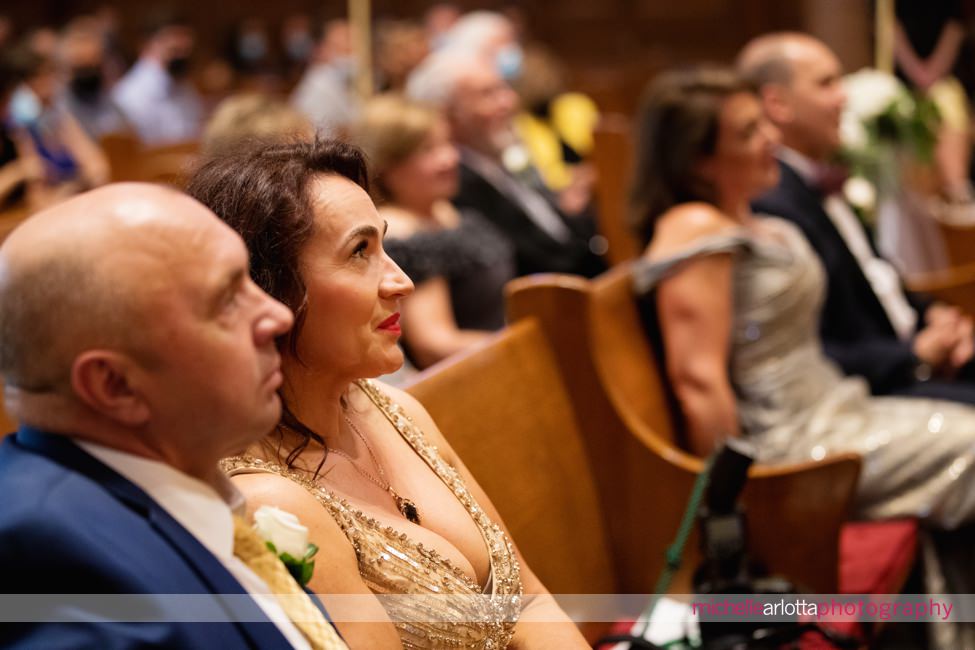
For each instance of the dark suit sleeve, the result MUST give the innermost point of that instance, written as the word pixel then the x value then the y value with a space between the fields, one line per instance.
pixel 885 363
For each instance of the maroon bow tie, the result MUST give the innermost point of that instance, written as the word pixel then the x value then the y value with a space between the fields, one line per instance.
pixel 829 179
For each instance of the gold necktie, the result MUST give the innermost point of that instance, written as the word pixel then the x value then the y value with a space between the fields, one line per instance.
pixel 253 551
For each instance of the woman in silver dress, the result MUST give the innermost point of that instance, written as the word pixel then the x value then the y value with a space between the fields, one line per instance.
pixel 737 300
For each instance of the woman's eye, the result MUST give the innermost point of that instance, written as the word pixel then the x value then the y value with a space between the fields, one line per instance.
pixel 360 249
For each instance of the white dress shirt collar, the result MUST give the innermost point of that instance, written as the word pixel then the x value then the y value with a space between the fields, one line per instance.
pixel 802 164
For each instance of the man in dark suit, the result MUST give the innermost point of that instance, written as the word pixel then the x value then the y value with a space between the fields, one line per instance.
pixel 496 178
pixel 900 342
pixel 136 353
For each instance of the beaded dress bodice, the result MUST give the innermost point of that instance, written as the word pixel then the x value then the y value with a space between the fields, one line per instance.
pixel 432 603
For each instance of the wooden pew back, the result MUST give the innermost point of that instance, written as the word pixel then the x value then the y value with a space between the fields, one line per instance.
pixel 504 409
pixel 613 159
pixel 643 477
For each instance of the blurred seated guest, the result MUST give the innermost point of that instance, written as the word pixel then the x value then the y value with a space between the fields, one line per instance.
pixel 438 20
pixel 901 342
pixel 87 96
pixel 400 46
pixel 253 115
pixel 736 301
pixel 497 180
pixel 156 95
pixel 361 463
pixel 250 47
pixel 556 127
pixel 325 93
pixel 488 34
pixel 47 136
pixel 16 171
pixel 297 42
pixel 458 261
pixel 43 41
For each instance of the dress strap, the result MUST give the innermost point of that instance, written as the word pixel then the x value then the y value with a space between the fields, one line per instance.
pixel 647 274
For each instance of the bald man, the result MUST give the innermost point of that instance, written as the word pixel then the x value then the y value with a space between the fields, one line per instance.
pixel 899 342
pixel 136 352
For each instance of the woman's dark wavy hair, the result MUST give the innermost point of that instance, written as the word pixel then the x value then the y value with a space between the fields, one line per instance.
pixel 677 127
pixel 260 188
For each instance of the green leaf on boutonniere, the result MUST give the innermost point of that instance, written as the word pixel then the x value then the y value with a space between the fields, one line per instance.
pixel 310 552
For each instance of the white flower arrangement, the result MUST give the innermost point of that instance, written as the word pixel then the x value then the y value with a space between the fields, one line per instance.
pixel 883 126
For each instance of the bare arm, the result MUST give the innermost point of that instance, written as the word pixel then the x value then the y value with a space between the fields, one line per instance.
pixel 542 624
pixel 336 568
pixel 695 312
pixel 925 72
pixel 946 51
pixel 12 175
pixel 429 326
pixel 90 158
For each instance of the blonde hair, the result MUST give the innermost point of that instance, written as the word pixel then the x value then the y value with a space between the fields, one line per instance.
pixel 252 115
pixel 390 130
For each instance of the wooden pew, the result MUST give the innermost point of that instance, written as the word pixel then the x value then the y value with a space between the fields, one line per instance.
pixel 959 243
pixel 955 285
pixel 613 159
pixel 129 160
pixel 505 410
pixel 643 476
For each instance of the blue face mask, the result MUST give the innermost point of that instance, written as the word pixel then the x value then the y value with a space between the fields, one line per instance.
pixel 25 108
pixel 508 62
pixel 252 47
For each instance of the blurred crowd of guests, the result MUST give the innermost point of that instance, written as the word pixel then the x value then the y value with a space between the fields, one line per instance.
pixel 478 151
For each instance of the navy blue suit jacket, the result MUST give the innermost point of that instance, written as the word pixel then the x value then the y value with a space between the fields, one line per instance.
pixel 854 327
pixel 71 525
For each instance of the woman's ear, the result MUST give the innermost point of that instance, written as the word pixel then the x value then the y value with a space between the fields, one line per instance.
pixel 102 379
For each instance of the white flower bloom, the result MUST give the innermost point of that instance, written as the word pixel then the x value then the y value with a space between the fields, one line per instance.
pixel 870 92
pixel 853 133
pixel 282 529
pixel 860 192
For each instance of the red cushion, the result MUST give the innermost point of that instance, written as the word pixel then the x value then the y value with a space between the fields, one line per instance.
pixel 876 556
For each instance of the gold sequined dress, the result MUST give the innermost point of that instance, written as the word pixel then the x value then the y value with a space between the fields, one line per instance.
pixel 432 603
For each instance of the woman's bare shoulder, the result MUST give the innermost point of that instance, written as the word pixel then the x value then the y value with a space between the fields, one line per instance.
pixel 686 223
pixel 261 488
pixel 419 414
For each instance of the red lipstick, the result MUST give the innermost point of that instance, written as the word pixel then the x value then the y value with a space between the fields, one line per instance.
pixel 391 324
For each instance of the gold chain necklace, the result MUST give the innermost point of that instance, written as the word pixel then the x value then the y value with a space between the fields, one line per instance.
pixel 406 507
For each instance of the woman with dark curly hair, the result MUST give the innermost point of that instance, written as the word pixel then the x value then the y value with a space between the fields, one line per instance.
pixel 361 463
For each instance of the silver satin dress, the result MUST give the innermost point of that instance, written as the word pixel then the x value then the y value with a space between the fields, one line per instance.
pixel 918 454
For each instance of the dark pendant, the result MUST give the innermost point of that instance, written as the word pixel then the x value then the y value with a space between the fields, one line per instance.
pixel 408 509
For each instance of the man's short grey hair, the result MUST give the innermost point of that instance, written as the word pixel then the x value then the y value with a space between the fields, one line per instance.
pixel 474 30
pixel 436 78
pixel 766 59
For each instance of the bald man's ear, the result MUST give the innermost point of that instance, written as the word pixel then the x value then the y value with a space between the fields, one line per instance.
pixel 102 380
pixel 776 102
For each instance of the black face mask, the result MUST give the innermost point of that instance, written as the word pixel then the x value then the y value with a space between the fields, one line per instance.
pixel 178 67
pixel 86 83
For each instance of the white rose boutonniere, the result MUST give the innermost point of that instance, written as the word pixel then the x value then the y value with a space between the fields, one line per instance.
pixel 287 539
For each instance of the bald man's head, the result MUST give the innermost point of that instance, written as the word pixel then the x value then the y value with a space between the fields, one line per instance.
pixel 74 277
pixel 799 81
pixel 769 58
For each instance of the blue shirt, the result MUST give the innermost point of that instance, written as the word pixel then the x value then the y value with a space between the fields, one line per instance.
pixel 162 109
